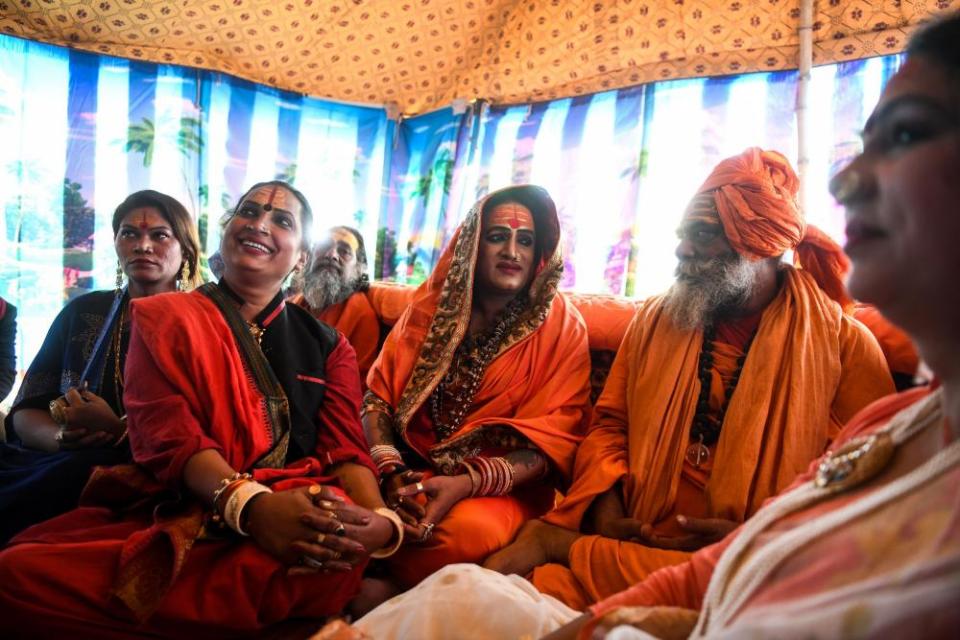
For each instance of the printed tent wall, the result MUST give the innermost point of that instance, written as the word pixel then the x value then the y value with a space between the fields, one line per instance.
pixel 425 54
pixel 616 107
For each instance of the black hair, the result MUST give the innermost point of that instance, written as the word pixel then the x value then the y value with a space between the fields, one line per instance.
pixel 306 214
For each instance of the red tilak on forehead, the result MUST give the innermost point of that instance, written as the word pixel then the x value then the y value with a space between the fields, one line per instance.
pixel 273 194
pixel 512 215
pixel 143 220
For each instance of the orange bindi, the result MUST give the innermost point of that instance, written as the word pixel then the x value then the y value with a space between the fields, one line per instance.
pixel 513 215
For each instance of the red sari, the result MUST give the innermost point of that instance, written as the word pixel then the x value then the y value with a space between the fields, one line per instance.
pixel 533 394
pixel 140 556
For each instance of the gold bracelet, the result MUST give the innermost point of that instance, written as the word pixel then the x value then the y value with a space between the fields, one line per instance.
pixel 397 523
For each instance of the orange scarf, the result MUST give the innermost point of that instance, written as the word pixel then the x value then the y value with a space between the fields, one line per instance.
pixel 538 383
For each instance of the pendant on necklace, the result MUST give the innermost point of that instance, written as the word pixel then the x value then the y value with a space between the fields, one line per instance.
pixel 855 462
pixel 697 453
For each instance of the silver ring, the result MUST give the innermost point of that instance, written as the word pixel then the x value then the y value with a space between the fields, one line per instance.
pixel 428 530
pixel 340 530
pixel 313 563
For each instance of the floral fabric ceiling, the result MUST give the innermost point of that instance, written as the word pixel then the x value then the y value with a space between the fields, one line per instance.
pixel 424 54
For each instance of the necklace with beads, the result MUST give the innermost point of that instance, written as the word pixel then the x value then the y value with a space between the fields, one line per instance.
pixel 705 430
pixel 453 397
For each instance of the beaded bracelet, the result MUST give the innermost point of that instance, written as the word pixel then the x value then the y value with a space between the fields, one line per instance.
pixel 397 523
pixel 226 487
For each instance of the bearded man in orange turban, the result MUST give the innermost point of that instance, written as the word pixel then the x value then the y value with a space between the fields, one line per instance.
pixel 723 390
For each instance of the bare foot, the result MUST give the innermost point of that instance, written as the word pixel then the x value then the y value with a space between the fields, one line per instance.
pixel 537 543
pixel 373 592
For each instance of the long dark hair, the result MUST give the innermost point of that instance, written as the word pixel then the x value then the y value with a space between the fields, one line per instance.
pixel 180 221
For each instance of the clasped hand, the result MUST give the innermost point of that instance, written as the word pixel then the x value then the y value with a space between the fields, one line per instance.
pixel 700 532
pixel 316 528
pixel 441 493
pixel 91 422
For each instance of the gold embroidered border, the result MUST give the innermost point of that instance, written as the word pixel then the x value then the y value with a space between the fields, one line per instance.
pixel 452 317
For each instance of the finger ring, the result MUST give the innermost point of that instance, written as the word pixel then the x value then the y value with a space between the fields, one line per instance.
pixel 334 515
pixel 340 530
pixel 427 530
pixel 419 487
pixel 59 436
pixel 335 555
pixel 321 537
pixel 314 490
pixel 311 562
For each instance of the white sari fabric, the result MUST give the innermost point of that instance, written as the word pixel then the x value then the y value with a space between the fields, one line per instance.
pixel 467 601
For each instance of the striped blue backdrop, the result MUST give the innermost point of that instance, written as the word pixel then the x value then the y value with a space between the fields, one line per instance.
pixel 82 131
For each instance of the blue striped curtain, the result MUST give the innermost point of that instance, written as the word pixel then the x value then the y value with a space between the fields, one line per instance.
pixel 83 131
pixel 622 165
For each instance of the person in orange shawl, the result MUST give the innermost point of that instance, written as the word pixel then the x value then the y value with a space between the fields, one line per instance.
pixel 723 390
pixel 334 292
pixel 481 390
pixel 243 417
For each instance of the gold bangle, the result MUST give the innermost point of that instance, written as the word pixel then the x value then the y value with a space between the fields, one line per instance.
pixel 397 523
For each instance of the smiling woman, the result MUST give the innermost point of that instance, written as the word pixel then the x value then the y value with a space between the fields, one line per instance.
pixel 249 408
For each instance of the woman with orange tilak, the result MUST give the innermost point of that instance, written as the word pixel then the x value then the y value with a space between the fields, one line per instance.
pixel 243 417
pixel 479 398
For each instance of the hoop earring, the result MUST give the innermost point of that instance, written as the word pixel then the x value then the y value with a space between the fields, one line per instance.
pixel 119 276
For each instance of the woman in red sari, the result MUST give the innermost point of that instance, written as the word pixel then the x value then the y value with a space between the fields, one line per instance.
pixel 243 419
pixel 481 391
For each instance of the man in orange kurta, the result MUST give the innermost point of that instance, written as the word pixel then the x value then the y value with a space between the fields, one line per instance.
pixel 335 292
pixel 723 390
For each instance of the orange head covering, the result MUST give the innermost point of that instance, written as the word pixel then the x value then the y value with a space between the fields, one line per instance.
pixel 755 194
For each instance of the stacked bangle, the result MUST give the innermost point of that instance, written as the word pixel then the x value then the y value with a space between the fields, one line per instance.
pixel 386 457
pixel 232 496
pixel 238 499
pixel 489 476
pixel 397 523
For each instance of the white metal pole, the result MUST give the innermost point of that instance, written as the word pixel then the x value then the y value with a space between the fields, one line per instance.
pixel 805 63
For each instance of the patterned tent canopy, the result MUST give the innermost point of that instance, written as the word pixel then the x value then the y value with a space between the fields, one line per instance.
pixel 423 54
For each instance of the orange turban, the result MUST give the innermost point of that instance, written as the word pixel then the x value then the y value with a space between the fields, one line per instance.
pixel 755 193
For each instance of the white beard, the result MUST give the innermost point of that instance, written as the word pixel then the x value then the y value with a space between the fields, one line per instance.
pixel 325 287
pixel 706 290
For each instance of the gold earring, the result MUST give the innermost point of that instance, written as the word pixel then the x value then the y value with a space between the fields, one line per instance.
pixel 183 278
pixel 119 276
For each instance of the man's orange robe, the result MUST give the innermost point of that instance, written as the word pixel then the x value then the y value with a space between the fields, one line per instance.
pixel 809 369
pixel 356 319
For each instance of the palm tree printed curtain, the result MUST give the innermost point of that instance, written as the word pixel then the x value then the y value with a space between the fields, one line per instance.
pixel 83 131
pixel 621 165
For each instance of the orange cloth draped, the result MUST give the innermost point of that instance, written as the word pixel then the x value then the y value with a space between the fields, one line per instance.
pixel 356 319
pixel 809 369
pixel 537 385
pixel 755 194
pixel 133 558
pixel 892 540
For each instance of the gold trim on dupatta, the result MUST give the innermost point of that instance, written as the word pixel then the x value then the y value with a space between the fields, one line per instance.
pixel 452 315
